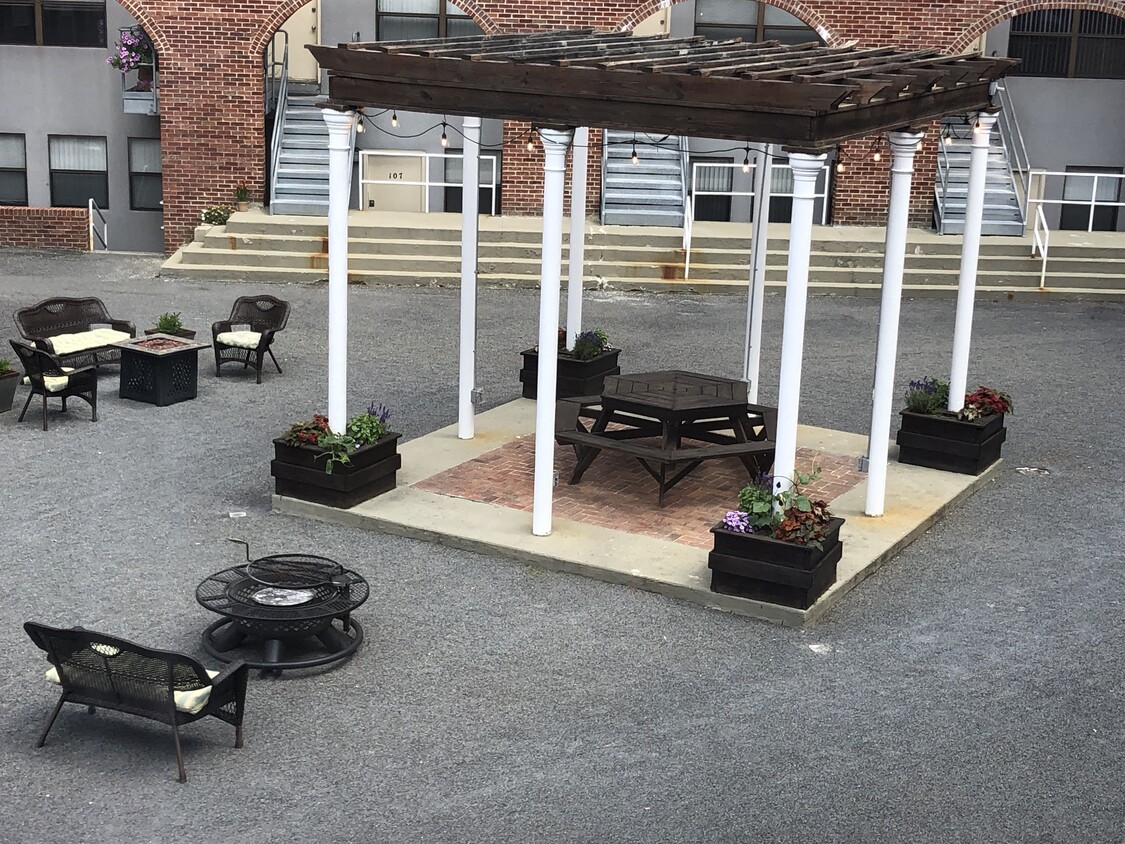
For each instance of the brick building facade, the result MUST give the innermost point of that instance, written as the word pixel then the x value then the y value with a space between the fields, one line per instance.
pixel 211 88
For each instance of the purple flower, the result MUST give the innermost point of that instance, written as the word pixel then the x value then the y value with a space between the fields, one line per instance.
pixel 737 521
pixel 379 410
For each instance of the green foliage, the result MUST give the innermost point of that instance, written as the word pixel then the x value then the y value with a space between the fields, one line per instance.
pixel 984 401
pixel 362 429
pixel 216 215
pixel 789 515
pixel 241 192
pixel 169 323
pixel 6 365
pixel 589 344
pixel 366 428
pixel 927 395
pixel 336 449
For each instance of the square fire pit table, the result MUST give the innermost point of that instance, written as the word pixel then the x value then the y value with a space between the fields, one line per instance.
pixel 159 369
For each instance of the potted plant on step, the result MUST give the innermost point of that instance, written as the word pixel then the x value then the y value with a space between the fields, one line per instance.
pixel 242 197
pixel 9 378
pixel 967 442
pixel 171 323
pixel 778 547
pixel 315 464
pixel 581 370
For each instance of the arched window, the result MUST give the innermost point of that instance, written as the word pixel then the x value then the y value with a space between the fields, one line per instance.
pixel 410 20
pixel 1074 43
pixel 750 21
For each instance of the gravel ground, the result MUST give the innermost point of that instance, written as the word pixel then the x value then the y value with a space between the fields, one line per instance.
pixel 969 692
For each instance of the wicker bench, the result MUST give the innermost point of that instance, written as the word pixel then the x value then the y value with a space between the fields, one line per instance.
pixel 67 328
pixel 95 670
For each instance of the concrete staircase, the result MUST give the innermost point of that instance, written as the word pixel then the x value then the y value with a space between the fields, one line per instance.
pixel 648 193
pixel 1003 213
pixel 424 250
pixel 301 174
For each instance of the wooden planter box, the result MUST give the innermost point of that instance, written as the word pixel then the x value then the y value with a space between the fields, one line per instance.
pixel 298 472
pixel 575 377
pixel 767 569
pixel 950 444
pixel 8 382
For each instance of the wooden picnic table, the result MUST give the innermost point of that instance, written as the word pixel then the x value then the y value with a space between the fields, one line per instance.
pixel 671 406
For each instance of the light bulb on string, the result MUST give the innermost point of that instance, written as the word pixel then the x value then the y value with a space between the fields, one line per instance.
pixel 839 167
pixel 636 159
pixel 746 160
pixel 359 127
pixel 444 137
pixel 948 140
pixel 394 119
pixel 878 156
pixel 531 140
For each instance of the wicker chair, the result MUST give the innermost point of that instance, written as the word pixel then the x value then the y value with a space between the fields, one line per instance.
pixel 264 316
pixel 49 378
pixel 99 670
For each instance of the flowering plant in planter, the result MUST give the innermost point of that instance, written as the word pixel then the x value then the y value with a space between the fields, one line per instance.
pixel 589 344
pixel 789 515
pixel 967 441
pixel 581 370
pixel 362 429
pixel 216 215
pixel 985 401
pixel 930 396
pixel 132 51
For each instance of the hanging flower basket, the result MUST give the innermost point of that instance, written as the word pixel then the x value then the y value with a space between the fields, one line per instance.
pixel 132 51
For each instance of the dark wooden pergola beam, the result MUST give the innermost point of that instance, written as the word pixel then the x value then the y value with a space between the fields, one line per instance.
pixel 804 97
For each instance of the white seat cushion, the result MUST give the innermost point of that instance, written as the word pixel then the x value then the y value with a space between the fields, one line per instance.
pixel 191 702
pixel 241 339
pixel 67 344
pixel 54 383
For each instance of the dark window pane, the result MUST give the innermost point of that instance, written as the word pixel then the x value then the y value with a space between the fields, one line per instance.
pixel 74 24
pixel 789 35
pixel 145 191
pixel 1101 58
pixel 395 28
pixel 13 187
pixel 1042 55
pixel 74 190
pixel 17 24
pixel 457 27
pixel 1100 23
pixel 726 11
pixel 1045 20
pixel 724 33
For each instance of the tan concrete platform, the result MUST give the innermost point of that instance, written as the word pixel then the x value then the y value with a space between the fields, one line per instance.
pixel 916 498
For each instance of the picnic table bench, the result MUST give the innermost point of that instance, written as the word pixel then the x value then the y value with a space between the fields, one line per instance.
pixel 670 407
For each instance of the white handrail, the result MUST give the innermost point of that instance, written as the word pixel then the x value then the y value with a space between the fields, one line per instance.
pixel 103 235
pixel 1041 244
pixel 1093 203
pixel 279 113
pixel 1012 137
pixel 426 183
pixel 689 204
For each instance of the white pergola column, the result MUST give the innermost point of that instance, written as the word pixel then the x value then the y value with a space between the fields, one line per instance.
pixel 576 264
pixel 970 253
pixel 903 146
pixel 555 142
pixel 341 124
pixel 470 223
pixel 755 301
pixel 806 168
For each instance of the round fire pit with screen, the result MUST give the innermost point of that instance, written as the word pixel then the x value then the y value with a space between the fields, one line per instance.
pixel 285 602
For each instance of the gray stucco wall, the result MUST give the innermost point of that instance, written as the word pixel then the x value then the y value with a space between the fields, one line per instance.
pixel 72 91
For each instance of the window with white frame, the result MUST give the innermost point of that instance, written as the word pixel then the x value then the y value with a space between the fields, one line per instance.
pixel 13 170
pixel 750 20
pixel 145 179
pixel 410 20
pixel 487 166
pixel 53 23
pixel 78 171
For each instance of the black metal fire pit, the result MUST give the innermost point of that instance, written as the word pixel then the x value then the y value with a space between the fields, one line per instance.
pixel 284 599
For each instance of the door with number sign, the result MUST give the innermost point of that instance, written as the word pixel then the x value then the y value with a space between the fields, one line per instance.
pixel 387 182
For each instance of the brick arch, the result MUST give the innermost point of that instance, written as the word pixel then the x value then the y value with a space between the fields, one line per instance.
pixel 797 8
pixel 281 13
pixel 1017 7
pixel 148 23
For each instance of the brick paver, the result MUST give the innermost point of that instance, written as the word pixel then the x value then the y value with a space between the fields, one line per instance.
pixel 616 492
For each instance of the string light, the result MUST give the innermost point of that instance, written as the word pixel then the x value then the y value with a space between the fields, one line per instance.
pixel 839 167
pixel 444 137
pixel 746 160
pixel 878 156
pixel 636 159
pixel 394 119
pixel 531 140
pixel 359 127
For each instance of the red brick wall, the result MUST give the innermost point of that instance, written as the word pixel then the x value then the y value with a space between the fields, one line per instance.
pixel 523 171
pixel 45 228
pixel 211 87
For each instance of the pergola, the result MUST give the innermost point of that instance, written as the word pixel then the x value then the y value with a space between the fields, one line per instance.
pixel 805 97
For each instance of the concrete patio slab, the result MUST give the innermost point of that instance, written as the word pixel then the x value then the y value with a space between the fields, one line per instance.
pixel 916 498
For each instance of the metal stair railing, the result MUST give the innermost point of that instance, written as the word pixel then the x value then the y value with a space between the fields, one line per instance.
pixel 1012 138
pixel 941 184
pixel 1041 243
pixel 282 101
pixel 103 235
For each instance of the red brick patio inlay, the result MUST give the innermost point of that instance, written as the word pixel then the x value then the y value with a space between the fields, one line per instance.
pixel 617 493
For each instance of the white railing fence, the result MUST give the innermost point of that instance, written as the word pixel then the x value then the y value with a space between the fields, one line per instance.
pixel 1019 165
pixel 426 182
pixel 781 180
pixel 1075 188
pixel 1041 243
pixel 102 236
pixel 277 90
